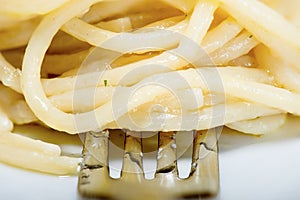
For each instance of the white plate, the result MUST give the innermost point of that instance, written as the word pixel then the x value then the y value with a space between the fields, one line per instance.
pixel 250 168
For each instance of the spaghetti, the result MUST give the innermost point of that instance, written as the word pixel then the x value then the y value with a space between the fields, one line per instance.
pixel 77 66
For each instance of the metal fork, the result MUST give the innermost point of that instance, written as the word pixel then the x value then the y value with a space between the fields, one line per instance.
pixel 95 181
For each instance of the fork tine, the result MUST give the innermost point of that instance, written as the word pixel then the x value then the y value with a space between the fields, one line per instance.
pixel 132 169
pixel 166 159
pixel 205 167
pixel 94 169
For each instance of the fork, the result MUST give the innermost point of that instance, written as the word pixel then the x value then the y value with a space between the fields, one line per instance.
pixel 95 181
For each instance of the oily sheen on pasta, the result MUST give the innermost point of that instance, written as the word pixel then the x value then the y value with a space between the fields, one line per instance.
pixel 88 65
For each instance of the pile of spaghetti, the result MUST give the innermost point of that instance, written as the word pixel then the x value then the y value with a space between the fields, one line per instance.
pixel 164 65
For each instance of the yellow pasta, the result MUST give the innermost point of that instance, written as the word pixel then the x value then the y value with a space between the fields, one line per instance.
pixel 87 65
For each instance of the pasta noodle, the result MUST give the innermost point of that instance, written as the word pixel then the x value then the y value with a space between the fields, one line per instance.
pixel 166 65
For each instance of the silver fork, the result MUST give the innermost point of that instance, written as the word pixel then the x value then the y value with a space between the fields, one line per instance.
pixel 95 181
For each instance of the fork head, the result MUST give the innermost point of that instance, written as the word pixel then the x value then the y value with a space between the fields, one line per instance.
pixel 203 179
